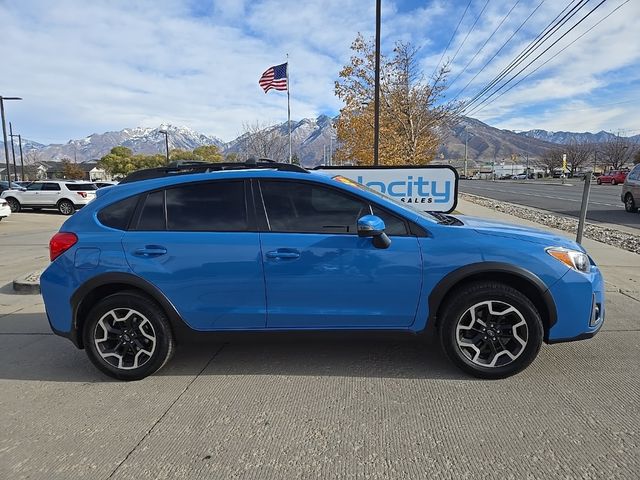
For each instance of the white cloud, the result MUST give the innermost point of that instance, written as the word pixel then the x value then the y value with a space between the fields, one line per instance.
pixel 86 67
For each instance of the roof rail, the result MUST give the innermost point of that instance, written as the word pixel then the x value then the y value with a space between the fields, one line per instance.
pixel 188 167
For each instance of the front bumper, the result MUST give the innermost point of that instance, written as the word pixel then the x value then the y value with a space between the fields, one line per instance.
pixel 580 304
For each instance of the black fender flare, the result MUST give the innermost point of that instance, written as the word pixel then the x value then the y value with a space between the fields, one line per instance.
pixel 475 270
pixel 125 280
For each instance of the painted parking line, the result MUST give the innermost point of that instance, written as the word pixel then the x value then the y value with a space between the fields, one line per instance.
pixel 519 192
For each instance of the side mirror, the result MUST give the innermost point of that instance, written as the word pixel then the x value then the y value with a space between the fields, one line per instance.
pixel 373 226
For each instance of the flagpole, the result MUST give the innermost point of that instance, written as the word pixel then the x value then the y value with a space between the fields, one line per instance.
pixel 289 109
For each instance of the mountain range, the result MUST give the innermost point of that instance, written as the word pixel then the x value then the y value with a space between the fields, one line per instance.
pixel 312 141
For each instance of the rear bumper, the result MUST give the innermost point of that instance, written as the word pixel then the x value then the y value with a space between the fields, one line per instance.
pixel 580 303
pixel 5 211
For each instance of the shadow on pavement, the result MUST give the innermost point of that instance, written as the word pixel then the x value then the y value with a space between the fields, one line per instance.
pixel 46 357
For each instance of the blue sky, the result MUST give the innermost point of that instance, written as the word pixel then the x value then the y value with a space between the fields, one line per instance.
pixel 89 67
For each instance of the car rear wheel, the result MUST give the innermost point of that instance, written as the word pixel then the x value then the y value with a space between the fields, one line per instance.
pixel 14 204
pixel 65 207
pixel 490 330
pixel 128 337
pixel 630 204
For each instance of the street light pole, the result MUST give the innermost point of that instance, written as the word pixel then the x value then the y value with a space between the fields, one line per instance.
pixel 166 142
pixel 13 153
pixel 4 133
pixel 376 105
pixel 21 158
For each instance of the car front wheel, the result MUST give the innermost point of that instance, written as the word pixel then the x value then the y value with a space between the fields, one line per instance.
pixel 490 330
pixel 128 337
pixel 613 182
pixel 630 204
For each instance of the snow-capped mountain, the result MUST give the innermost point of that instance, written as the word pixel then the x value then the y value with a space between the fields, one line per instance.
pixel 569 137
pixel 140 140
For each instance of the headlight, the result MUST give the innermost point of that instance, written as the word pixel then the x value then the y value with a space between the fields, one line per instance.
pixel 572 258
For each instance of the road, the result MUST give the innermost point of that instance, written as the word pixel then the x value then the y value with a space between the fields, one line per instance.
pixel 308 406
pixel 604 203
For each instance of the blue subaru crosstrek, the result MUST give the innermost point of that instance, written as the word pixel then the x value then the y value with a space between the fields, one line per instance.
pixel 264 246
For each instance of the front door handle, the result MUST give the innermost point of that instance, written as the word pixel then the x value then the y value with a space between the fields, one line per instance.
pixel 150 251
pixel 283 253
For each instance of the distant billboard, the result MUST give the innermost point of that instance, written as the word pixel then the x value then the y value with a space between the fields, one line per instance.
pixel 430 188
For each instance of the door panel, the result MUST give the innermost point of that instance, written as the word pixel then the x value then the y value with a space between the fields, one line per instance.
pixel 214 279
pixel 340 281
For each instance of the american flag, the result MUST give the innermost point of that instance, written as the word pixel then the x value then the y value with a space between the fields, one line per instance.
pixel 275 77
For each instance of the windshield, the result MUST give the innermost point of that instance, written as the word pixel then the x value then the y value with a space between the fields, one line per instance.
pixel 353 183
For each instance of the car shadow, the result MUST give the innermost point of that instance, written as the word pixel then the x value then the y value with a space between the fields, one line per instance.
pixel 37 355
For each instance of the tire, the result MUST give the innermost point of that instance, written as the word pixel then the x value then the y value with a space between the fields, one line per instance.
pixel 65 207
pixel 140 347
pixel 14 204
pixel 599 182
pixel 511 324
pixel 613 182
pixel 630 204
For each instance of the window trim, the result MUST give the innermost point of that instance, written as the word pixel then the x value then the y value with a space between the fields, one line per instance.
pixel 261 206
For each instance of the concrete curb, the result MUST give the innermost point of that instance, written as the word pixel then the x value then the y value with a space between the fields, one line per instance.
pixel 28 284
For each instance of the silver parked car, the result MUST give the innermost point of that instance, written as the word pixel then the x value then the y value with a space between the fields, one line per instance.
pixel 631 190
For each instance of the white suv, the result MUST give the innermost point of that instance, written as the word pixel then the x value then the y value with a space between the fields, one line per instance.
pixel 65 195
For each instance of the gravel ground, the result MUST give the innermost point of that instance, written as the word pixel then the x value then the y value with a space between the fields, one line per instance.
pixel 610 236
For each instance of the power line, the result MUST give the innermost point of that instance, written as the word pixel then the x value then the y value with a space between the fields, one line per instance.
pixel 452 37
pixel 543 52
pixel 500 49
pixel 558 53
pixel 485 43
pixel 540 39
pixel 470 30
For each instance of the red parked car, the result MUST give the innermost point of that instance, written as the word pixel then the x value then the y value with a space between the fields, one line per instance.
pixel 614 177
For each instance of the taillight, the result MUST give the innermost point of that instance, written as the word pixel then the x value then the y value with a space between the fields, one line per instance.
pixel 60 243
pixel 83 194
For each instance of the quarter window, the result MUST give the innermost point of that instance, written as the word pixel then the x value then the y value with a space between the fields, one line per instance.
pixel 392 225
pixel 117 215
pixel 307 208
pixel 212 206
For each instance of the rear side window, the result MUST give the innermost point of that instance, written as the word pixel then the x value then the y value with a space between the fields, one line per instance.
pixel 51 186
pixel 118 215
pixel 80 187
pixel 213 206
pixel 152 215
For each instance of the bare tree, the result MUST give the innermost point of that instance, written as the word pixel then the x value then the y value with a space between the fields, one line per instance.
pixel 617 151
pixel 551 160
pixel 578 154
pixel 32 156
pixel 264 141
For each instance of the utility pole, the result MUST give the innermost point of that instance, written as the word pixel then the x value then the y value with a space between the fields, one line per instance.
pixel 166 142
pixel 466 140
pixel 376 114
pixel 4 134
pixel 13 154
pixel 21 158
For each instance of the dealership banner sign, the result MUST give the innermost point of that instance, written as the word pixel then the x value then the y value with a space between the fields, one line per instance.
pixel 432 188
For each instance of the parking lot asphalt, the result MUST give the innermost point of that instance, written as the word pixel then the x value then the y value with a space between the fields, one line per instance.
pixel 307 406
pixel 604 200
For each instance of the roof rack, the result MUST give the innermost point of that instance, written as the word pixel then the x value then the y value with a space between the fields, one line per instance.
pixel 188 167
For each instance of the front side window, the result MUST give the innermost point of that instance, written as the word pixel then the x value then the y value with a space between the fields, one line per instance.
pixel 34 187
pixel 308 208
pixel 212 206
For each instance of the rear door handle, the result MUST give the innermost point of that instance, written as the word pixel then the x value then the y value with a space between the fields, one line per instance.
pixel 150 251
pixel 283 253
